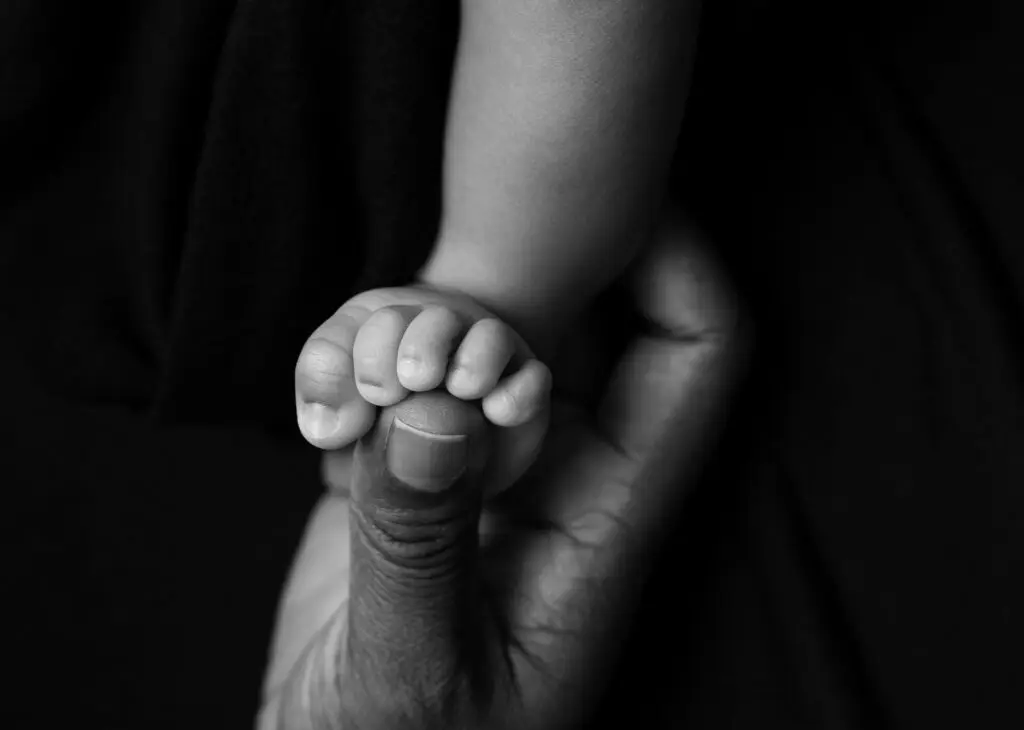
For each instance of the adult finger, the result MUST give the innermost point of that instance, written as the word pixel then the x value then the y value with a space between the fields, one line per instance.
pixel 661 409
pixel 415 507
pixel 677 368
pixel 576 535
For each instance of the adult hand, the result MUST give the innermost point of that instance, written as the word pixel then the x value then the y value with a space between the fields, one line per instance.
pixel 408 607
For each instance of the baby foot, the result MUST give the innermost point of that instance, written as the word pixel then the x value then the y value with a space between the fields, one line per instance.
pixel 393 356
pixel 384 344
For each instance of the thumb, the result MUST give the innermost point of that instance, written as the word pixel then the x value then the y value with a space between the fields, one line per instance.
pixel 415 506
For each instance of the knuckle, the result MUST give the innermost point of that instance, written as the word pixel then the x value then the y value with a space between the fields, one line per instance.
pixel 412 548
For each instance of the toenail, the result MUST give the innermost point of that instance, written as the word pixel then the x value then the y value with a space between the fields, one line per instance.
pixel 372 382
pixel 460 379
pixel 507 405
pixel 409 367
pixel 318 421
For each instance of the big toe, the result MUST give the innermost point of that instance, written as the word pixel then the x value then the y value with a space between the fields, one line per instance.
pixel 331 413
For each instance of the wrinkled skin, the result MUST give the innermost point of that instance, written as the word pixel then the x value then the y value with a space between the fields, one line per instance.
pixel 414 609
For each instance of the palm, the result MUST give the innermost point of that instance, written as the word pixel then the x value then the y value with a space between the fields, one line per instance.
pixel 559 555
pixel 533 559
pixel 539 571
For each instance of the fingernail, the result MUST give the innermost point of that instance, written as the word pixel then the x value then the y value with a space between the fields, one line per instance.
pixel 427 461
pixel 318 421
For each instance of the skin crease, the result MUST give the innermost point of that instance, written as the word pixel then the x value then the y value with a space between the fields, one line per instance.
pixel 560 556
pixel 562 124
pixel 561 129
pixel 323 363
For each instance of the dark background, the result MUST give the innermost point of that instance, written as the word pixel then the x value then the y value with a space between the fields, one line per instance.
pixel 188 187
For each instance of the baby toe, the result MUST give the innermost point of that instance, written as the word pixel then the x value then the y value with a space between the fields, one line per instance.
pixel 330 411
pixel 520 397
pixel 374 354
pixel 482 357
pixel 425 348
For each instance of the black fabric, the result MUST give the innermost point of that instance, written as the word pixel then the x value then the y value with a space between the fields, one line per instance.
pixel 190 184
pixel 187 188
pixel 856 557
